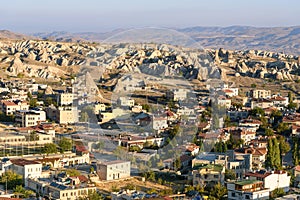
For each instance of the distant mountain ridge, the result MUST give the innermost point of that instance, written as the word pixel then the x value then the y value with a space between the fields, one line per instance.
pixel 276 39
pixel 11 35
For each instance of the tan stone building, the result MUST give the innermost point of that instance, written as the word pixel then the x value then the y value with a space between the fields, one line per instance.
pixel 114 170
pixel 260 93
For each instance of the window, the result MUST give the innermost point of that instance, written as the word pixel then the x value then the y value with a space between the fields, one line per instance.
pixel 247 196
pixel 233 194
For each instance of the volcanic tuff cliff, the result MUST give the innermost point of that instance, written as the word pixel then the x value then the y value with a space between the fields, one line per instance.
pixel 47 59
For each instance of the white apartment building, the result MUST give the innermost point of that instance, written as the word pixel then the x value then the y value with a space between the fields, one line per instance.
pixel 160 123
pixel 272 180
pixel 67 115
pixel 260 93
pixel 126 101
pixel 247 189
pixel 65 99
pixel 10 107
pixel 177 94
pixel 27 169
pixel 114 170
pixel 26 118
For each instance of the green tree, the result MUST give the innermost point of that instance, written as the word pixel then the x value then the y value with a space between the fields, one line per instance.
pixel 292 106
pixel 49 148
pixel 295 151
pixel 270 154
pixel 33 136
pixel 29 95
pixel 277 155
pixel 12 179
pixel 273 159
pixel 174 131
pixel 278 192
pixel 84 117
pixel 177 164
pixel 257 112
pixel 100 145
pixel 33 103
pixel 283 128
pixel 253 85
pixel 291 97
pixel 65 144
pixel 146 107
pixel 19 191
pixel 73 172
pixel 220 147
pixel 230 174
pixel 227 121
pixel 283 145
pixel 269 132
pixel 218 191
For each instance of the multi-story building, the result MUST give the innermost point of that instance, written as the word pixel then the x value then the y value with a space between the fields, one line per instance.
pixel 23 139
pixel 236 114
pixel 261 103
pixel 10 107
pixel 26 118
pixel 65 99
pixel 208 174
pixel 177 94
pixel 241 134
pixel 12 138
pixel 272 180
pixel 71 189
pixel 99 107
pixel 160 123
pixel 185 111
pixel 126 101
pixel 67 115
pixel 258 155
pixel 260 93
pixel 247 189
pixel 250 124
pixel 224 102
pixel 113 170
pixel 231 92
pixel 27 169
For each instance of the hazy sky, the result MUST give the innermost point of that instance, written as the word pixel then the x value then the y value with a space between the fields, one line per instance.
pixel 99 15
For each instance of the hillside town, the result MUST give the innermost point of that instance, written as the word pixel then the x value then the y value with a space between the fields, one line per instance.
pixel 215 140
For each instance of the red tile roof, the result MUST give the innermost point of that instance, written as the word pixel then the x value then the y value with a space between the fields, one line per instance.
pixel 297 168
pixel 23 162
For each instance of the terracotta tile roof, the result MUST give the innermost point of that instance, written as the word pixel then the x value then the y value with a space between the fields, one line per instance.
pixel 297 168
pixel 8 103
pixel 253 150
pixel 81 178
pixel 23 162
pixel 264 174
pixel 278 99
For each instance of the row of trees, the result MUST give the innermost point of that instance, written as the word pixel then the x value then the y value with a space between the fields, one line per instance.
pixel 296 150
pixel 276 148
pixel 64 144
pixel 232 143
pixel 13 181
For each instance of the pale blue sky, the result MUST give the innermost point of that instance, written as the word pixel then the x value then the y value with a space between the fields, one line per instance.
pixel 99 15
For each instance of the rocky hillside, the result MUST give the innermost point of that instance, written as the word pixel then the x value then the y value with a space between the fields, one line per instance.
pixel 276 39
pixel 53 60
